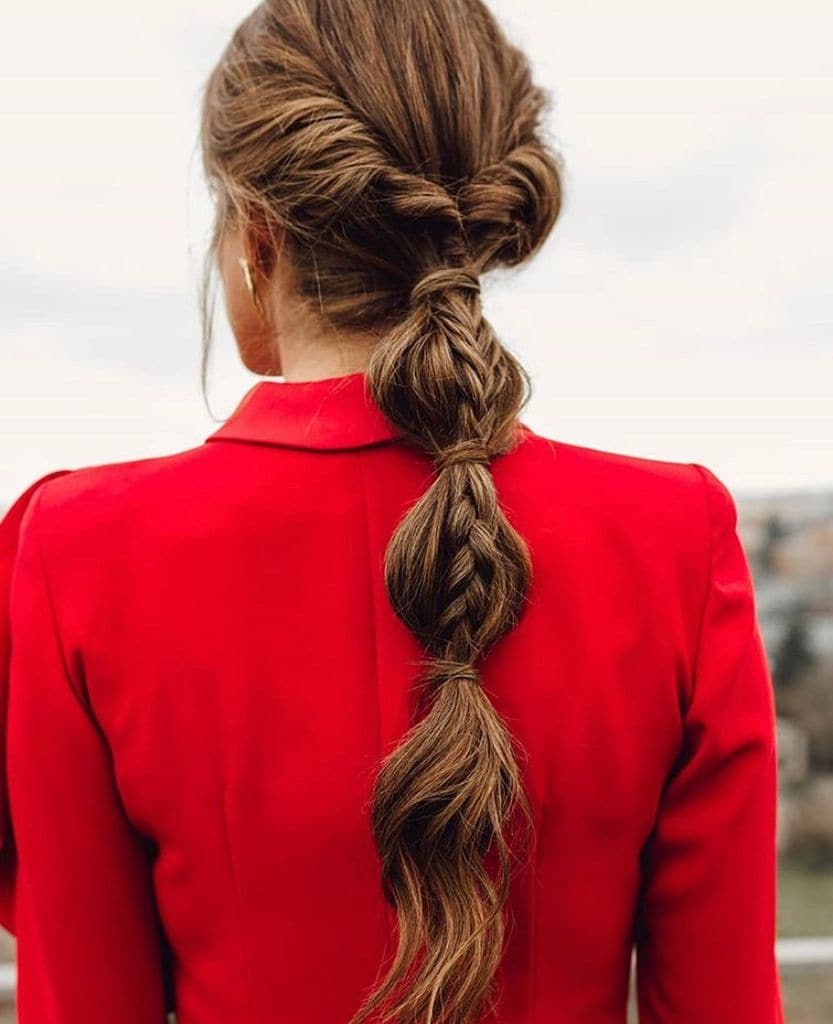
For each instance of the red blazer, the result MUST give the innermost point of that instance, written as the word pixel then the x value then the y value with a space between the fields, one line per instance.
pixel 204 673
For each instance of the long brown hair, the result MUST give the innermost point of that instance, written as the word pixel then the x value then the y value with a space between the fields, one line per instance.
pixel 398 145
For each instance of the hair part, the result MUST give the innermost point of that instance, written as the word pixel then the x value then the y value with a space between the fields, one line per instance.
pixel 396 188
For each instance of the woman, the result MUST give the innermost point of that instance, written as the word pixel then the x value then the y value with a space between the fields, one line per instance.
pixel 379 705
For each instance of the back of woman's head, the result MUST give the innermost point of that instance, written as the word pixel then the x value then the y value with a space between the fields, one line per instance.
pixel 397 146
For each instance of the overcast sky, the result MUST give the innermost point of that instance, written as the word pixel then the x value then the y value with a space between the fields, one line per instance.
pixel 681 308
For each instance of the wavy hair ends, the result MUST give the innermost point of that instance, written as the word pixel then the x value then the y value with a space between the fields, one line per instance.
pixel 396 189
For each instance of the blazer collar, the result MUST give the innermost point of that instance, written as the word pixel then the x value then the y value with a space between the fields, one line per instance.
pixel 334 413
pixel 331 413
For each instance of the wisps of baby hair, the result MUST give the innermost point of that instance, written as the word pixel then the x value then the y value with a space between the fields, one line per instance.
pixel 400 148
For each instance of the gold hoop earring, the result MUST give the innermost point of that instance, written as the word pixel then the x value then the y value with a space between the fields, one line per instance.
pixel 246 269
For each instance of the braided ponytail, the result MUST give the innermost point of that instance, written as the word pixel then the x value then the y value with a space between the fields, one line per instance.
pixel 396 190
pixel 457 574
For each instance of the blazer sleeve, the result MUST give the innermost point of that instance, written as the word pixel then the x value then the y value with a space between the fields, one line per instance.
pixel 706 923
pixel 88 943
pixel 9 534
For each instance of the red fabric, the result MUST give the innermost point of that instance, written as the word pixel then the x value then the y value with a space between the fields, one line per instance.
pixel 9 529
pixel 205 672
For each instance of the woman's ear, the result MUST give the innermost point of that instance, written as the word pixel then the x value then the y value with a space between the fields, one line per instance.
pixel 261 245
pixel 254 334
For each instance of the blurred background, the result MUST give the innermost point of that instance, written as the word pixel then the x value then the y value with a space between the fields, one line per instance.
pixel 682 309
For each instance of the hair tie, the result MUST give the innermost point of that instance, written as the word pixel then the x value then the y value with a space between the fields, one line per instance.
pixel 446 670
pixel 468 451
pixel 443 279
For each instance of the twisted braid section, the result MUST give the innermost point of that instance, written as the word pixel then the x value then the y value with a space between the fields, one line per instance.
pixel 417 198
pixel 301 154
pixel 510 207
pixel 334 180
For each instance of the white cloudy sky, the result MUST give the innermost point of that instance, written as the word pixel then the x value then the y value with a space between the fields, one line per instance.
pixel 681 309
